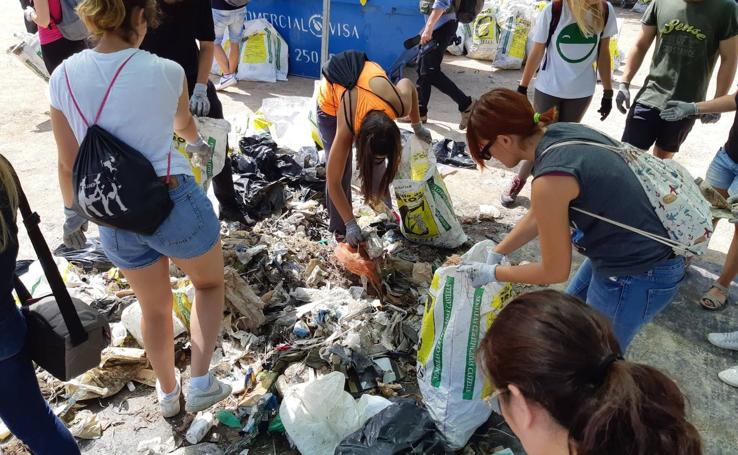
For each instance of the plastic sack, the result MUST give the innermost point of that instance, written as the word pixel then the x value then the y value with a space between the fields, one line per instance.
pixel 456 318
pixel 463 33
pixel 289 123
pixel 35 280
pixel 514 26
pixel 403 428
pixel 482 42
pixel 424 204
pixel 264 53
pixel 28 51
pixel 313 116
pixel 215 132
pixel 317 415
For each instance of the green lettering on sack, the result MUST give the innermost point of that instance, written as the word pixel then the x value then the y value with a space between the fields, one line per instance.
pixel 269 45
pixel 438 192
pixel 209 166
pixel 448 304
pixel 470 370
pixel 443 221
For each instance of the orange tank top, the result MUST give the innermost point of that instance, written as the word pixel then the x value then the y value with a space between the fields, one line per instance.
pixel 330 95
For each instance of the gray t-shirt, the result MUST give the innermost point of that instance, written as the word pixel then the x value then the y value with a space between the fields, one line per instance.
pixel 607 187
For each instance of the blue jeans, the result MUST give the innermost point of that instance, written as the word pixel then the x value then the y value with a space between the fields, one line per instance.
pixel 629 301
pixel 26 413
pixel 232 20
pixel 723 173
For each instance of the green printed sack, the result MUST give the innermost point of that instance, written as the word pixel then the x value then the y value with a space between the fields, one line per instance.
pixel 456 318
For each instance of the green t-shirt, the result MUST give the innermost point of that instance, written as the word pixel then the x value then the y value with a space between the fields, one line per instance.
pixel 687 44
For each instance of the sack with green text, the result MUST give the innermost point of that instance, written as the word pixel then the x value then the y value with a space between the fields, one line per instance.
pixel 456 318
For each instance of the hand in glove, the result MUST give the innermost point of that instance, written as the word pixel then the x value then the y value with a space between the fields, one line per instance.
pixel 422 132
pixel 74 230
pixel 199 152
pixel 199 103
pixel 523 90
pixel 712 117
pixel 481 274
pixel 678 110
pixel 605 105
pixel 354 236
pixel 623 97
pixel 494 258
pixel 30 14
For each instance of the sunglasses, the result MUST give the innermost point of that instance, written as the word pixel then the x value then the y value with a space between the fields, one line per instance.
pixel 486 152
pixel 493 400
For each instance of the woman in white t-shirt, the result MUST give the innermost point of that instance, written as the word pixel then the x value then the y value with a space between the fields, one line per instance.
pixel 147 102
pixel 570 38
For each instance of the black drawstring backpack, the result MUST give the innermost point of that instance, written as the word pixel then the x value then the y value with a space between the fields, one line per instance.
pixel 114 184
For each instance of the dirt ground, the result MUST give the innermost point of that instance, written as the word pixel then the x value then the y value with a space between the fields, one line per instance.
pixel 675 342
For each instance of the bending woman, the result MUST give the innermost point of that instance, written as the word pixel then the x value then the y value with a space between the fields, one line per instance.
pixel 365 114
pixel 148 101
pixel 564 388
pixel 628 277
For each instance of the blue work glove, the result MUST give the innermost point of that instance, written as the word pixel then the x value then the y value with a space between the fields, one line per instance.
pixel 200 152
pixel 422 132
pixel 74 227
pixel 623 97
pixel 678 110
pixel 480 273
pixel 712 117
pixel 354 236
pixel 495 258
pixel 199 103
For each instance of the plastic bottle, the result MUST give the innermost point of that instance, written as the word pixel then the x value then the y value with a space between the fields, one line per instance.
pixel 200 426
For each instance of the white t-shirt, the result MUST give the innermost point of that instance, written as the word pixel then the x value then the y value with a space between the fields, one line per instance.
pixel 140 108
pixel 569 72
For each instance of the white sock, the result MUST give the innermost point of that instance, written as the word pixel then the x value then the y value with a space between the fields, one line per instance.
pixel 167 396
pixel 201 382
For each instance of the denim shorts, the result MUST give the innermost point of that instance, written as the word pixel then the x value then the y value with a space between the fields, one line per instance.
pixel 723 173
pixel 232 20
pixel 190 230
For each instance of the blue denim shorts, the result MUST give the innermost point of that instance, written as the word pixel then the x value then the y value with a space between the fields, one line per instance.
pixel 232 20
pixel 191 230
pixel 723 173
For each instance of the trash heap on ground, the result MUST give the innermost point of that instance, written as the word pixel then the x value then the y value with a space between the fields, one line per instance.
pixel 331 346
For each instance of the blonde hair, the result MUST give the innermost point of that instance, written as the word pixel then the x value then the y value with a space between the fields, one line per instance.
pixel 589 16
pixel 114 16
pixel 7 182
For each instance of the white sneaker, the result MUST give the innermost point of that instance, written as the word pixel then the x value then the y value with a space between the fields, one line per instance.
pixel 727 340
pixel 227 80
pixel 169 403
pixel 730 376
pixel 198 400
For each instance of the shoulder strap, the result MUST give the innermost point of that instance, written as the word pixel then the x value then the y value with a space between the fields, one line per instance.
pixel 31 220
pixel 556 7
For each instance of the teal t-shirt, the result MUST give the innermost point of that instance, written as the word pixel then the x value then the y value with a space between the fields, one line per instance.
pixel 687 44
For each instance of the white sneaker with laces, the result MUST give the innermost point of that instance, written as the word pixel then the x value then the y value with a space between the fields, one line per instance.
pixel 730 376
pixel 169 402
pixel 227 80
pixel 727 340
pixel 198 400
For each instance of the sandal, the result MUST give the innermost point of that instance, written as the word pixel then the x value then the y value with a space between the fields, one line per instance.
pixel 713 302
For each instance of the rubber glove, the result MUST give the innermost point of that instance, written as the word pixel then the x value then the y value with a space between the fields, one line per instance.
pixel 199 103
pixel 30 14
pixel 623 97
pixel 74 229
pixel 678 110
pixel 495 258
pixel 523 90
pixel 422 132
pixel 200 152
pixel 480 274
pixel 354 236
pixel 712 117
pixel 605 105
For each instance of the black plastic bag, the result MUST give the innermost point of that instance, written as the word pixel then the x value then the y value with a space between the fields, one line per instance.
pixel 402 428
pixel 345 68
pixel 90 257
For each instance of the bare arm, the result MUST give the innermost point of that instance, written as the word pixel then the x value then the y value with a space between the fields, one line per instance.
pixel 636 55
pixel 533 62
pixel 67 149
pixel 336 165
pixel 551 196
pixel 723 104
pixel 43 16
pixel 409 95
pixel 604 64
pixel 207 51
pixel 430 25
pixel 184 123
pixel 523 232
pixel 728 61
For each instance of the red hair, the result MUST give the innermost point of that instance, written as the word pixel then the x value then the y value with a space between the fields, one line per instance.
pixel 502 111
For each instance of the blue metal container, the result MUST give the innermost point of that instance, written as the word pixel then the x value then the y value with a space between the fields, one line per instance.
pixel 378 28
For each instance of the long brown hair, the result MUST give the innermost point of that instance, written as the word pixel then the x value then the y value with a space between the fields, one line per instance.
pixel 378 136
pixel 502 111
pixel 115 16
pixel 564 356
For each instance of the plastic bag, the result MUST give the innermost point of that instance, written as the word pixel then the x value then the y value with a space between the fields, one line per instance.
pixel 35 280
pixel 92 256
pixel 313 116
pixel 482 42
pixel 456 318
pixel 403 428
pixel 215 132
pixel 289 120
pixel 357 263
pixel 264 53
pixel 463 33
pixel 28 51
pixel 514 26
pixel 425 206
pixel 317 415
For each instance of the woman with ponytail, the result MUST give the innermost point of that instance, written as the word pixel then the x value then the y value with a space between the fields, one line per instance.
pixel 627 276
pixel 564 388
pixel 570 38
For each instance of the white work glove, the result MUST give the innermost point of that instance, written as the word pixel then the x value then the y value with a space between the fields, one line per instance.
pixel 422 132
pixel 199 103
pixel 678 110
pixel 712 117
pixel 30 14
pixel 200 152
pixel 74 229
pixel 354 236
pixel 495 258
pixel 480 273
pixel 623 97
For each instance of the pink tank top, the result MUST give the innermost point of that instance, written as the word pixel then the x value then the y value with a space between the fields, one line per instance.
pixel 51 33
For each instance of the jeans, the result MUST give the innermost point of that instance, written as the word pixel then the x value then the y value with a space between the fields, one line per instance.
pixel 430 74
pixel 231 20
pixel 629 301
pixel 723 173
pixel 26 413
